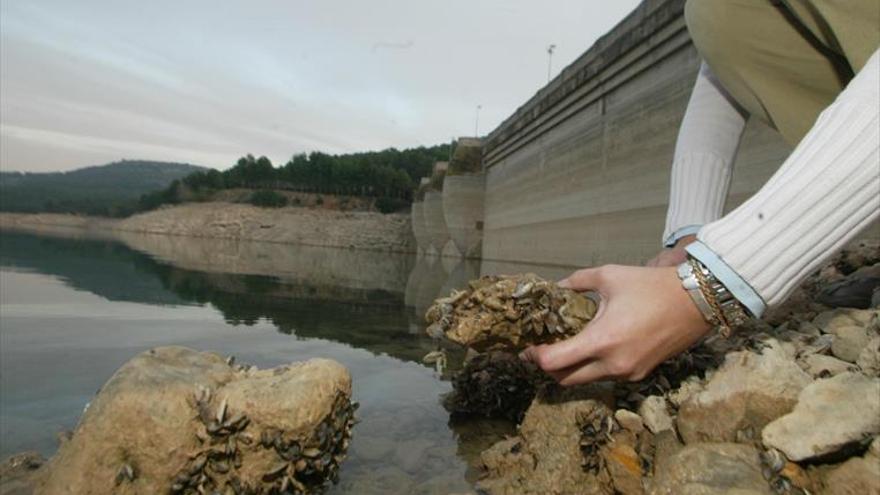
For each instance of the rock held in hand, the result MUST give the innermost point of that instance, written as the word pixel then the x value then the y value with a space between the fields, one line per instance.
pixel 509 312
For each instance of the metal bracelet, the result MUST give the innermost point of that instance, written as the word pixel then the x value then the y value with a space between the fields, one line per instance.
pixel 692 286
pixel 729 311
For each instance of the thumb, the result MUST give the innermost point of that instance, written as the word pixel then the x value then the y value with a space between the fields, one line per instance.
pixel 583 280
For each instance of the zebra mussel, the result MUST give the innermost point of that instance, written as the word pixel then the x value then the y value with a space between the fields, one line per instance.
pixel 303 465
pixel 595 432
pixel 509 312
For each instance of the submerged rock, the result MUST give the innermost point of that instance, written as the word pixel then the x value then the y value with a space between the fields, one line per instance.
pixel 747 392
pixel 830 414
pixel 509 312
pixel 173 420
pixel 18 473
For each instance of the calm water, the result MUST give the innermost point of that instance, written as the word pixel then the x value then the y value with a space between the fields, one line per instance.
pixel 75 307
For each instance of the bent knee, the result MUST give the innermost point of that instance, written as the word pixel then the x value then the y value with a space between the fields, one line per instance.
pixel 713 27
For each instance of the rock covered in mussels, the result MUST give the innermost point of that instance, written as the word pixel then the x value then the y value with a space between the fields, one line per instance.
pixel 494 384
pixel 512 312
pixel 174 420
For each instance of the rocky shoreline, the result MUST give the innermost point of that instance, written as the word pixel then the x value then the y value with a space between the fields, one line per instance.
pixel 289 225
pixel 790 405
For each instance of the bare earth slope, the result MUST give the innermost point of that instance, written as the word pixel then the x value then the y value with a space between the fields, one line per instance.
pixel 317 227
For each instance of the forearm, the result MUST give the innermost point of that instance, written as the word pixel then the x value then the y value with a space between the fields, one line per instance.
pixel 704 154
pixel 825 193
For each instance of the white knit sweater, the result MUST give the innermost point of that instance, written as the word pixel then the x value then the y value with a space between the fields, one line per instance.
pixel 826 192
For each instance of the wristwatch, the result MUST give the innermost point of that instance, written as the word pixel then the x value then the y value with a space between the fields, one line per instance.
pixel 692 286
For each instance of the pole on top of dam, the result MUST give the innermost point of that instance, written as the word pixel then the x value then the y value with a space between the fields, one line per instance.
pixel 550 60
pixel 477 122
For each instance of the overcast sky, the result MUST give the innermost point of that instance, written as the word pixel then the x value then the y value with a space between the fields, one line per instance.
pixel 88 82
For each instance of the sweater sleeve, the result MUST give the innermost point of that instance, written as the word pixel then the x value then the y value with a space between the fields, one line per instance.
pixel 703 161
pixel 826 192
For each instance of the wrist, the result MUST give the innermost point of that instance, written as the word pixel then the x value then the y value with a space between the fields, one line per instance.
pixel 719 306
pixel 672 238
pixel 687 275
pixel 682 242
pixel 690 313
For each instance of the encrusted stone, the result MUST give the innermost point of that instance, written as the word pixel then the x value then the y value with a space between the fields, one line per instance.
pixel 174 420
pixel 511 312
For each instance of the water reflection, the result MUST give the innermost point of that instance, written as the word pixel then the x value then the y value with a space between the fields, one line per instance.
pixel 85 304
pixel 311 296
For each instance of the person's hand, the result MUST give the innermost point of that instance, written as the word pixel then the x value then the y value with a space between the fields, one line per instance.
pixel 673 256
pixel 644 317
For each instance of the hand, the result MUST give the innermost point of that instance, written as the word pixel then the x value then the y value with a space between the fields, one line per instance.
pixel 673 256
pixel 644 318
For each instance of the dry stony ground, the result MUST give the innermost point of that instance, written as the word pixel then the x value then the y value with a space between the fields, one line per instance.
pixel 788 406
pixel 292 225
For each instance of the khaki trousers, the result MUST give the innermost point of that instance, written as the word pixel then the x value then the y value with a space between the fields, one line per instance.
pixel 772 68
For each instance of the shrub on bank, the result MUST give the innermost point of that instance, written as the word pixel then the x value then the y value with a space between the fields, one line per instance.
pixel 387 204
pixel 266 198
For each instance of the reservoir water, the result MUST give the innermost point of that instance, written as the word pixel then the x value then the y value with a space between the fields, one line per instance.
pixel 76 306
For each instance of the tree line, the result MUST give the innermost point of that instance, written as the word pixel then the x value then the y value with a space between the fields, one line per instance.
pixel 389 175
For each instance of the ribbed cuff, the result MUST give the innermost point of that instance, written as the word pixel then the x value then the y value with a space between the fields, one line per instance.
pixel 698 191
pixel 682 232
pixel 825 193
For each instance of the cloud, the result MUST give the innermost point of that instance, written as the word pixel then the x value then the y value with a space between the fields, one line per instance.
pixel 69 142
pixel 202 80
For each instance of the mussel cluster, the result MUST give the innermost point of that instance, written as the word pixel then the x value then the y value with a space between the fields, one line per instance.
pixel 494 384
pixel 595 432
pixel 668 376
pixel 509 312
pixel 302 465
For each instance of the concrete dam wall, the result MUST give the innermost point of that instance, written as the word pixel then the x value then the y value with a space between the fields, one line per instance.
pixel 579 174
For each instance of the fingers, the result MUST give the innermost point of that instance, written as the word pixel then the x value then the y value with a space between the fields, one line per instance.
pixel 582 280
pixel 576 375
pixel 561 355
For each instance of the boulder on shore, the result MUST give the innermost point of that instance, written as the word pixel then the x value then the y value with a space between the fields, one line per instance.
pixel 174 420
pixel 748 391
pixel 548 457
pixel 18 473
pixel 712 468
pixel 830 414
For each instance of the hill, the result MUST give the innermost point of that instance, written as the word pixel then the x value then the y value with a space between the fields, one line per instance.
pixel 108 190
